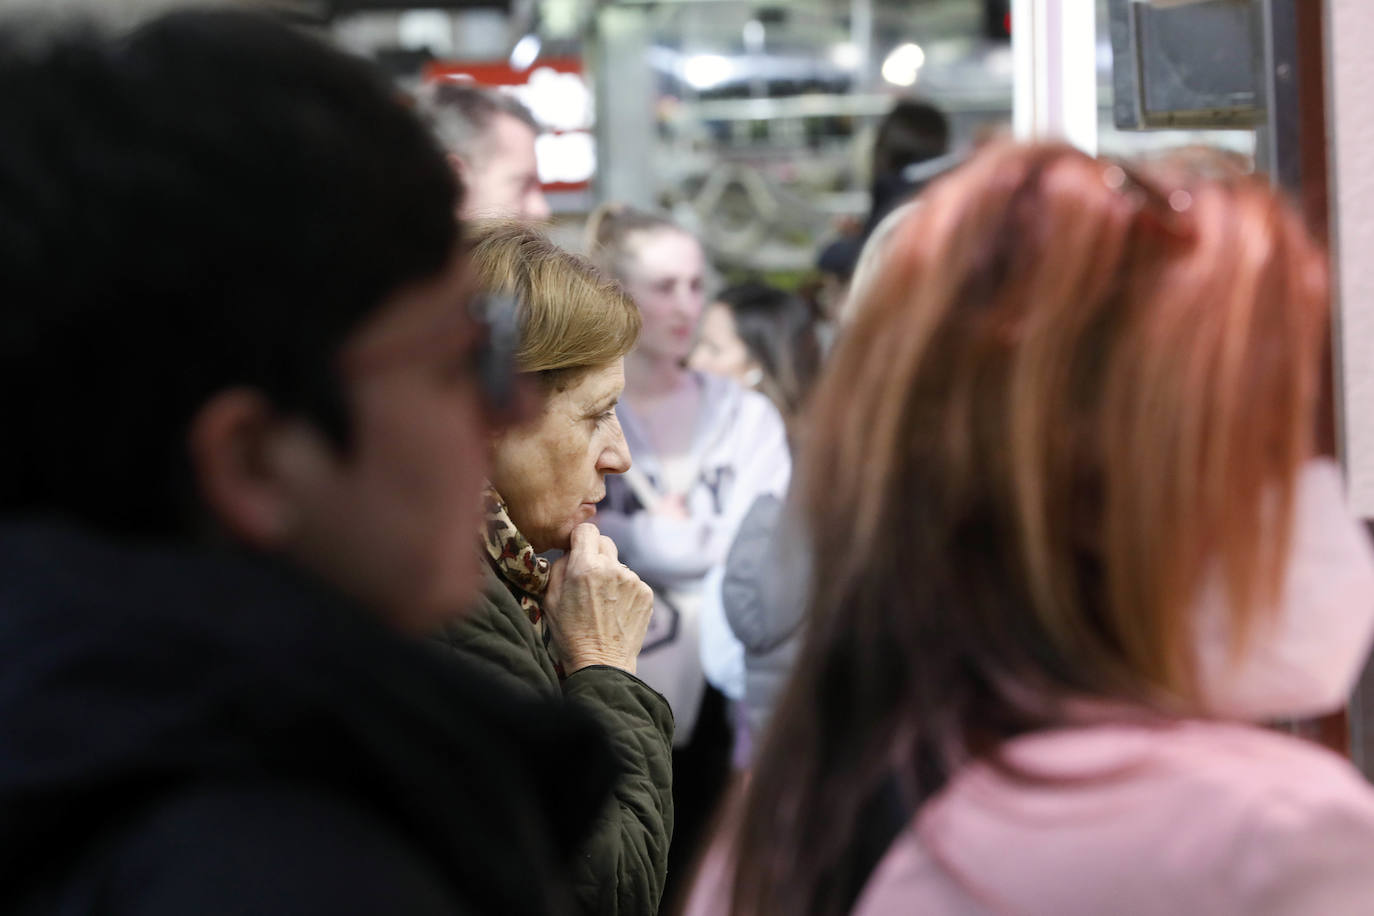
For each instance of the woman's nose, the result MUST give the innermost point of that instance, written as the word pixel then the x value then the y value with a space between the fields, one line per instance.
pixel 685 311
pixel 615 457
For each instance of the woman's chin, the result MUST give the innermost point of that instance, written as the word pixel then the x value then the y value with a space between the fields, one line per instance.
pixel 554 540
pixel 562 539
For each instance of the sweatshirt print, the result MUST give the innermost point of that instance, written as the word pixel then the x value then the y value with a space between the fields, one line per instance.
pixel 738 453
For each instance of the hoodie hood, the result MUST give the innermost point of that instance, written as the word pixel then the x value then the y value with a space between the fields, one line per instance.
pixel 128 672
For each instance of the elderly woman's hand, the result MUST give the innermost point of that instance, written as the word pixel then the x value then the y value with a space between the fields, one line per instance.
pixel 597 608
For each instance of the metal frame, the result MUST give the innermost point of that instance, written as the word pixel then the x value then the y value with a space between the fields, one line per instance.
pixel 1129 112
pixel 1278 148
pixel 1054 86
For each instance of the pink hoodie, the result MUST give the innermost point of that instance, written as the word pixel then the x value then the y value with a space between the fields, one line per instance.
pixel 1169 819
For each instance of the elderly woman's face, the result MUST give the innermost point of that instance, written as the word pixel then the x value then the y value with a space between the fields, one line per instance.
pixel 551 472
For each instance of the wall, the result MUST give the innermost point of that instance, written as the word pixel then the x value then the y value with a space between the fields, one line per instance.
pixel 1350 116
pixel 1350 106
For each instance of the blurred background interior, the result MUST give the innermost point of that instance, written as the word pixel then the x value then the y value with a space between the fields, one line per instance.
pixel 750 122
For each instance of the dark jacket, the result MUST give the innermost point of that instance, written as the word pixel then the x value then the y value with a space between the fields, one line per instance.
pixel 186 733
pixel 622 867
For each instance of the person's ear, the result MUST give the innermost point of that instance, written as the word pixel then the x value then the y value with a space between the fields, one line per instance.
pixel 462 170
pixel 250 466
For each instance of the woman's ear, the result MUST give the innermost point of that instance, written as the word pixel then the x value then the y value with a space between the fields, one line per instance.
pixel 245 459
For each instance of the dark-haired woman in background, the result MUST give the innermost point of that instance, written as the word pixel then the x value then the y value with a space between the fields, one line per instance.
pixel 765 339
pixel 911 147
pixel 1071 535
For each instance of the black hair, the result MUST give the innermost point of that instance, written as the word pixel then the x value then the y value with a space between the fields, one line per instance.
pixel 913 131
pixel 212 200
pixel 778 329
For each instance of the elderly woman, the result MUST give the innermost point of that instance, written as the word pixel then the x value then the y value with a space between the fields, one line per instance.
pixel 572 629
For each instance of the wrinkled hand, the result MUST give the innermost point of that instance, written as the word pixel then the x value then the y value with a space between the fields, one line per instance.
pixel 597 609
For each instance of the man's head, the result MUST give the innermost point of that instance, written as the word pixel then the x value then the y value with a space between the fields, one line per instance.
pixel 490 137
pixel 234 303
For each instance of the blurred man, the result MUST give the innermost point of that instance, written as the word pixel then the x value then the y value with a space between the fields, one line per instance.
pixel 246 408
pixel 490 137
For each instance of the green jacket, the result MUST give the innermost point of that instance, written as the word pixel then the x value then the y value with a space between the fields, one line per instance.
pixel 621 869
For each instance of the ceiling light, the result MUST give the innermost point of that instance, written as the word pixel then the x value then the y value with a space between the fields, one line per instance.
pixel 703 71
pixel 525 52
pixel 904 64
pixel 846 55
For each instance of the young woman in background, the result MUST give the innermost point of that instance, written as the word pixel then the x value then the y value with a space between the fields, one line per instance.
pixel 764 338
pixel 704 449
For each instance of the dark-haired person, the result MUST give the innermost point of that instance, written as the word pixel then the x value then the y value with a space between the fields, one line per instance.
pixel 246 407
pixel 911 147
pixel 1072 537
pixel 764 338
pixel 490 138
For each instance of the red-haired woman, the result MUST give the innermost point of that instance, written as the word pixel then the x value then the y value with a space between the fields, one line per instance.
pixel 1070 536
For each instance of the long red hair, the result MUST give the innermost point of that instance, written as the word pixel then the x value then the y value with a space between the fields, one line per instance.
pixel 1065 391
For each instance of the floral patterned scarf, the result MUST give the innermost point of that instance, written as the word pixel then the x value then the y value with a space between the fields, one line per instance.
pixel 524 572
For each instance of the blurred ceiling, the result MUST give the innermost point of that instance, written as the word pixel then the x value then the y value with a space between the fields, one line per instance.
pixel 328 10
